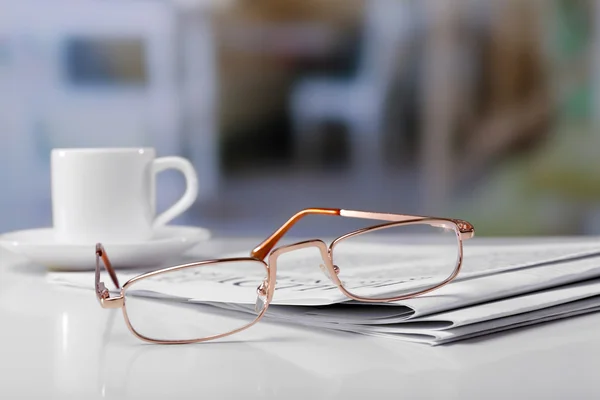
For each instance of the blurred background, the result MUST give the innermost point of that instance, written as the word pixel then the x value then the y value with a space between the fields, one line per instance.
pixel 485 110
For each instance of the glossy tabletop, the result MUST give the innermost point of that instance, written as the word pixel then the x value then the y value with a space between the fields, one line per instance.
pixel 56 342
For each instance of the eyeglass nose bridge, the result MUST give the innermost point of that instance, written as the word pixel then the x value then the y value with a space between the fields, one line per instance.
pixel 330 270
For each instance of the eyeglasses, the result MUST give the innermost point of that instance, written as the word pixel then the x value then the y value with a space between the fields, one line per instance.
pixel 215 298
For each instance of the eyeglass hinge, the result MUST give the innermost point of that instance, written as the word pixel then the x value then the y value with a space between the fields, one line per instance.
pixel 112 302
pixel 106 301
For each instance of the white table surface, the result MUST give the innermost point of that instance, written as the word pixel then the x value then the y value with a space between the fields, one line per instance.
pixel 56 342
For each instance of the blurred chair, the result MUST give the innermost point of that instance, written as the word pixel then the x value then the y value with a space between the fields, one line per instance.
pixel 359 102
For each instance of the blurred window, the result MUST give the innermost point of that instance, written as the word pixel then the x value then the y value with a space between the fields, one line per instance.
pixel 105 61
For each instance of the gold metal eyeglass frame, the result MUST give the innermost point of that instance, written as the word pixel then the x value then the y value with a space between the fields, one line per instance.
pixel 463 229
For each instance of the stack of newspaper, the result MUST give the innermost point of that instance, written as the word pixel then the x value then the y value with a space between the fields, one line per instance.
pixel 500 287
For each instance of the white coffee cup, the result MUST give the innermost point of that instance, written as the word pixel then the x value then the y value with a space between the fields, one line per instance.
pixel 109 194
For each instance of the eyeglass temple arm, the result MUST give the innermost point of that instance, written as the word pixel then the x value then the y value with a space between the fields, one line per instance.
pixel 101 291
pixel 466 230
pixel 262 250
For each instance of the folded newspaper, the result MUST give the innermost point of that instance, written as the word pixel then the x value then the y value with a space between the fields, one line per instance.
pixel 500 287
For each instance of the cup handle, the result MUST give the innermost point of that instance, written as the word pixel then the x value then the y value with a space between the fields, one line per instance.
pixel 191 191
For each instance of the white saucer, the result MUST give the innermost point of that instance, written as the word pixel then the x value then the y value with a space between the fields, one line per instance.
pixel 39 246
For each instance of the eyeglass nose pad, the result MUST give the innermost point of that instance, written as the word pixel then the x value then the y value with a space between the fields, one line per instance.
pixel 261 297
pixel 326 271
